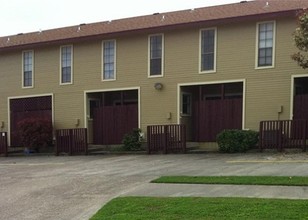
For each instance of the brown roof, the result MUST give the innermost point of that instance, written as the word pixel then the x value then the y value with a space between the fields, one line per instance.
pixel 200 16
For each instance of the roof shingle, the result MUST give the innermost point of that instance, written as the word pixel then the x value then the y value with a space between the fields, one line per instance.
pixel 163 20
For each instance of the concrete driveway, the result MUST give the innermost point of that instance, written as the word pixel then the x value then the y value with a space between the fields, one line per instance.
pixel 43 187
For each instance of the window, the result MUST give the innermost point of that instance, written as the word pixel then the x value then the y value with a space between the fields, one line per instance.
pixel 27 76
pixel 156 55
pixel 66 64
pixel 265 44
pixel 208 50
pixel 186 104
pixel 109 55
pixel 93 104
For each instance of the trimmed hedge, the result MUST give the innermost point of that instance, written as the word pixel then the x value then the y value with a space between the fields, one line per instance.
pixel 235 141
pixel 132 141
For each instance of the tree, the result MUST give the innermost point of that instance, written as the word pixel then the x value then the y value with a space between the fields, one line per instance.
pixel 301 40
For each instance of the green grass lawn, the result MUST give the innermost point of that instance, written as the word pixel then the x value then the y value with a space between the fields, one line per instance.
pixel 143 208
pixel 238 180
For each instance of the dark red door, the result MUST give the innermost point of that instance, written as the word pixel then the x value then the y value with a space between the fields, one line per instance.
pixel 300 108
pixel 111 123
pixel 217 115
pixel 216 108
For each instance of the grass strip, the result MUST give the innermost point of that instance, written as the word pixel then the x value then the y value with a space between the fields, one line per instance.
pixel 237 180
pixel 143 208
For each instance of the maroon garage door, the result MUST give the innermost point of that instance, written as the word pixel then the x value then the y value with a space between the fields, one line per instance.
pixel 216 108
pixel 20 109
pixel 111 123
pixel 114 116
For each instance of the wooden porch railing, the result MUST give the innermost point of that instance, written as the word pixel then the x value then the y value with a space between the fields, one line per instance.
pixel 71 141
pixel 166 138
pixel 283 134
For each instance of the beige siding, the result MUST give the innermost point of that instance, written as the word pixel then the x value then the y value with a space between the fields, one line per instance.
pixel 236 44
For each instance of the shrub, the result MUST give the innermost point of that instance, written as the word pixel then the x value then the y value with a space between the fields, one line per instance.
pixel 132 141
pixel 233 141
pixel 35 133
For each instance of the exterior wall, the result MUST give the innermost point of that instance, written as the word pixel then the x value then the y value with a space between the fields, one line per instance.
pixel 236 45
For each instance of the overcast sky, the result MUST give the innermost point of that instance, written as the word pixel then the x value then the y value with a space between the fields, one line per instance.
pixel 22 16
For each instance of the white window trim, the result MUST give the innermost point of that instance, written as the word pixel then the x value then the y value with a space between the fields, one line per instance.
pixel 200 50
pixel 190 107
pixel 72 68
pixel 22 69
pixel 257 45
pixel 115 60
pixel 162 56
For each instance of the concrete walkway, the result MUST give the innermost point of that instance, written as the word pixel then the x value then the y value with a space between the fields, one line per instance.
pixel 49 187
pixel 197 190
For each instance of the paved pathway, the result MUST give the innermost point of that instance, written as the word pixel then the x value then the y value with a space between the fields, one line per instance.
pixel 48 187
pixel 197 190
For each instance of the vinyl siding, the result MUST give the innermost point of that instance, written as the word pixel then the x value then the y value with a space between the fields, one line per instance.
pixel 236 44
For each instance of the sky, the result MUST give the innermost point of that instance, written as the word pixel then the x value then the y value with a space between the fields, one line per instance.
pixel 22 16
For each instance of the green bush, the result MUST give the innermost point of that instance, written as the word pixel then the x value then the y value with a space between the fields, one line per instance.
pixel 35 133
pixel 132 141
pixel 233 141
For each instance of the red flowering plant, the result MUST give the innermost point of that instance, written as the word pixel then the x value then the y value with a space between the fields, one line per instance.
pixel 35 133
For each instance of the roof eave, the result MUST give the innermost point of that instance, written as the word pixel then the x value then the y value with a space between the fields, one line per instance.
pixel 199 24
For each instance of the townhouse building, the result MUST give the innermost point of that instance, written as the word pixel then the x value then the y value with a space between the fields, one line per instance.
pixel 212 68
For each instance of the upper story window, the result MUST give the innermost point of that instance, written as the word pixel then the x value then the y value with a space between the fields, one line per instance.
pixel 208 50
pixel 66 65
pixel 265 44
pixel 109 59
pixel 27 72
pixel 156 57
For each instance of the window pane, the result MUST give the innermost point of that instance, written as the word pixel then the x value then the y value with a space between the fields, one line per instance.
pixel 261 61
pixel 269 34
pixel 208 61
pixel 109 59
pixel 269 43
pixel 262 44
pixel 156 45
pixel 28 78
pixel 66 74
pixel 27 68
pixel 262 52
pixel 268 60
pixel 207 49
pixel 262 27
pixel 266 42
pixel 269 26
pixel 66 63
pixel 186 104
pixel 155 67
